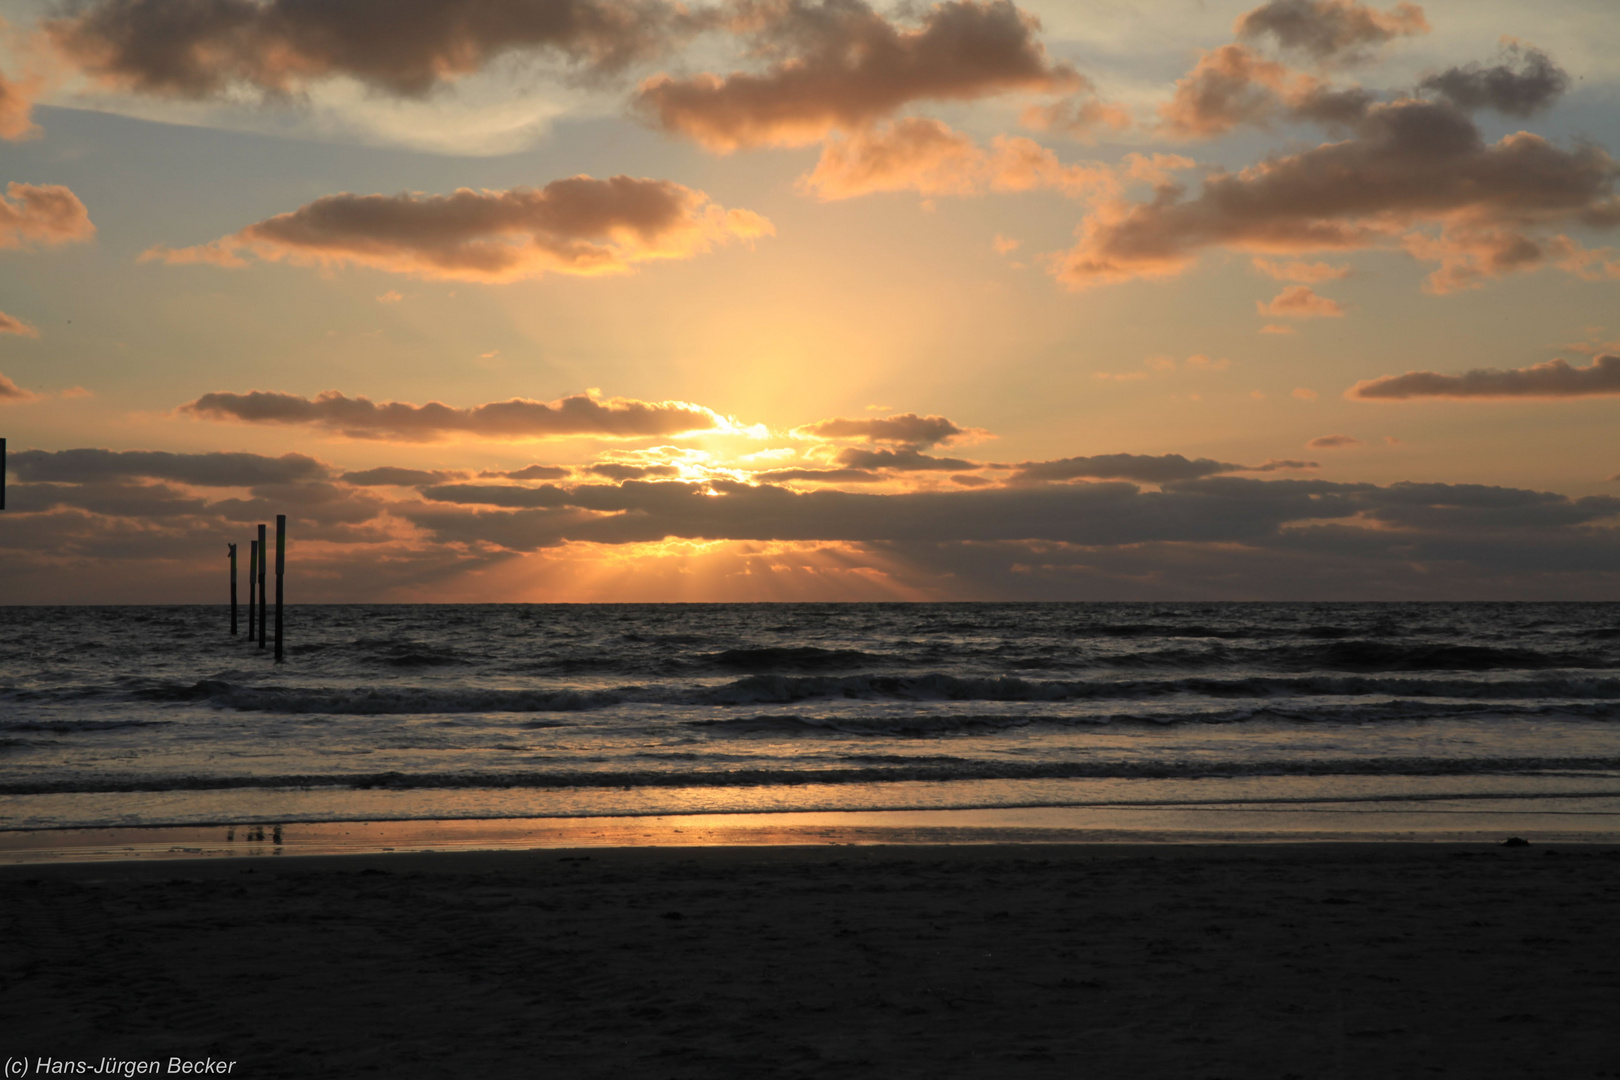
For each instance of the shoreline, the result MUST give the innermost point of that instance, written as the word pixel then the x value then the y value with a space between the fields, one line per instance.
pixel 1211 826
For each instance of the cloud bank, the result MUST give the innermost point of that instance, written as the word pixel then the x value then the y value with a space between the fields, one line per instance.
pixel 842 65
pixel 520 418
pixel 1553 379
pixel 202 48
pixel 579 226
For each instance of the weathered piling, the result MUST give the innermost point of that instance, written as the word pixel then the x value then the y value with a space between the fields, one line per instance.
pixel 233 589
pixel 264 555
pixel 253 586
pixel 281 568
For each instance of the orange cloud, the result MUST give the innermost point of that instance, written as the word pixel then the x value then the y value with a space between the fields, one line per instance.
pixel 844 66
pixel 1080 115
pixel 1300 302
pixel 44 214
pixel 905 429
pixel 926 156
pixel 208 47
pixel 1228 87
pixel 12 394
pixel 1276 328
pixel 360 418
pixel 16 105
pixel 10 324
pixel 1332 442
pixel 1309 273
pixel 1411 166
pixel 579 226
pixel 1554 379
pixel 1331 30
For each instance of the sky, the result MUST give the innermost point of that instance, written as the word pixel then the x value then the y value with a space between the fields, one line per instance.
pixel 752 300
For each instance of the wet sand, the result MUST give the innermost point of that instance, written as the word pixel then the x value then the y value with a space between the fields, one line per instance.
pixel 1199 961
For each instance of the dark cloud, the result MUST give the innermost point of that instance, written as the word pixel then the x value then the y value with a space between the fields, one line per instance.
pixel 1212 535
pixel 1146 468
pixel 199 48
pixel 1209 510
pixel 109 498
pixel 1332 442
pixel 203 470
pixel 579 226
pixel 360 418
pixel 821 476
pixel 1415 173
pixel 618 470
pixel 1554 379
pixel 840 64
pixel 42 214
pixel 1524 80
pixel 535 472
pixel 904 460
pixel 393 476
pixel 906 429
pixel 1331 30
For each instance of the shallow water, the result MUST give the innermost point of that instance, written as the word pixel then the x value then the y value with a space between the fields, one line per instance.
pixel 155 715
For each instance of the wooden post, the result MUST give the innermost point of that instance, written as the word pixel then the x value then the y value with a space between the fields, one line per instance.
pixel 281 568
pixel 253 585
pixel 264 555
pixel 233 589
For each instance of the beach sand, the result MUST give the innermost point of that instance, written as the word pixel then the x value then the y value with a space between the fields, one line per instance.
pixel 1195 961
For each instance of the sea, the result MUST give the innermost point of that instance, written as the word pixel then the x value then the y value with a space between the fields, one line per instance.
pixel 1384 714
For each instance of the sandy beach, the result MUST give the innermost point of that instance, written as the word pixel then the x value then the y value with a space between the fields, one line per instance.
pixel 1263 961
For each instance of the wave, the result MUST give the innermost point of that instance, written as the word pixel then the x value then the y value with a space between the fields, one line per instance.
pixel 752 690
pixel 922 770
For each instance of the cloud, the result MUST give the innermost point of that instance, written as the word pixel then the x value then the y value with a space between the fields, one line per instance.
pixel 12 394
pixel 42 213
pixel 903 460
pixel 1332 442
pixel 579 226
pixel 1276 328
pixel 205 48
pixel 1228 87
pixel 389 297
pixel 1331 30
pixel 1308 273
pixel 619 470
pixel 535 472
pixel 204 470
pixel 1145 468
pixel 394 476
pixel 1415 173
pixel 1304 394
pixel 1003 244
pixel 820 476
pixel 1080 115
pixel 926 156
pixel 10 324
pixel 841 65
pixel 1553 379
pixel 1300 302
pixel 17 103
pixel 1523 81
pixel 519 418
pixel 905 429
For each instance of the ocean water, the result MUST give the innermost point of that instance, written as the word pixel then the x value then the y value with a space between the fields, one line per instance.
pixel 157 716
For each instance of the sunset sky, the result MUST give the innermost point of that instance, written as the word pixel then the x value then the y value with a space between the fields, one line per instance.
pixel 628 300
